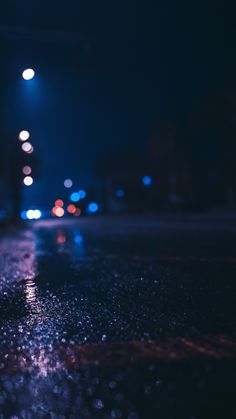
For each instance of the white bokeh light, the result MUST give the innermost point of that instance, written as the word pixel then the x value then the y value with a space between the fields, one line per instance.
pixel 28 74
pixel 24 135
pixel 68 183
pixel 28 181
pixel 30 214
pixel 37 214
pixel 27 147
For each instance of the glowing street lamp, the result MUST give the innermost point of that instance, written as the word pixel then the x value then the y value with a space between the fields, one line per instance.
pixel 28 74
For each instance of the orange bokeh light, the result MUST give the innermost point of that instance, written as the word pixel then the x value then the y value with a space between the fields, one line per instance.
pixel 59 212
pixel 71 209
pixel 59 203
pixel 53 211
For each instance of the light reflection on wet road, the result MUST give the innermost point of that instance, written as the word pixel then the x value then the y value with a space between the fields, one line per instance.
pixel 118 319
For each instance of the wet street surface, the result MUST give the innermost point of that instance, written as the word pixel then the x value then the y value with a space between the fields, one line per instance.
pixel 119 318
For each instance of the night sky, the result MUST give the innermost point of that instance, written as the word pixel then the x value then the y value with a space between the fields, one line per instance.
pixel 135 63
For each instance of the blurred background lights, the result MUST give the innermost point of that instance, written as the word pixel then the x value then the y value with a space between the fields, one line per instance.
pixel 82 193
pixel 59 203
pixel 54 211
pixel 78 239
pixel 26 170
pixel 68 183
pixel 120 193
pixel 71 209
pixel 37 214
pixel 28 181
pixel 75 196
pixel 31 150
pixel 30 214
pixel 93 207
pixel 28 74
pixel 27 147
pixel 59 212
pixel 24 135
pixel 77 212
pixel 146 180
pixel 61 238
pixel 23 215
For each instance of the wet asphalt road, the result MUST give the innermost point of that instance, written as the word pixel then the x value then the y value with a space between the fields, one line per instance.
pixel 119 318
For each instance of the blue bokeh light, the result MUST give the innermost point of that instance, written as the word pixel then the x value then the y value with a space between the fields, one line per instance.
pixel 120 193
pixel 78 239
pixel 82 193
pixel 23 215
pixel 93 207
pixel 75 196
pixel 146 180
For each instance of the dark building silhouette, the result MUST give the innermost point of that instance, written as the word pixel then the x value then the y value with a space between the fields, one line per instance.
pixel 190 162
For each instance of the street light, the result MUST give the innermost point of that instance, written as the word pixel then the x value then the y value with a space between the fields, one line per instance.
pixel 28 74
